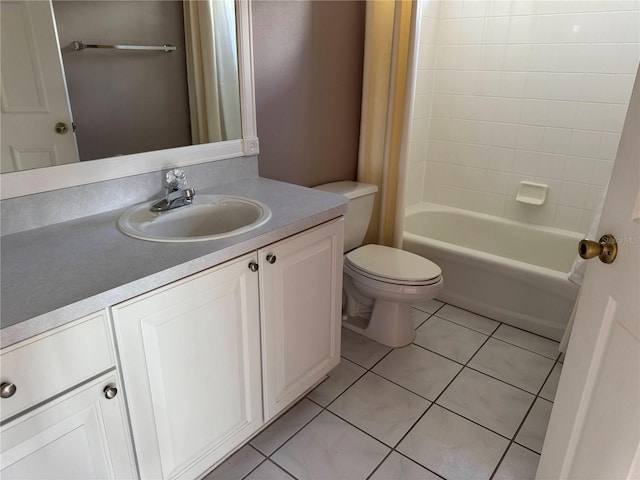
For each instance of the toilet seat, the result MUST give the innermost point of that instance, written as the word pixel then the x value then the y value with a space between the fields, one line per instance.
pixel 392 265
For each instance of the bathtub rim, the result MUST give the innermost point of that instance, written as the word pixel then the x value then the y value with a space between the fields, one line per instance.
pixel 490 258
pixel 438 207
pixel 545 280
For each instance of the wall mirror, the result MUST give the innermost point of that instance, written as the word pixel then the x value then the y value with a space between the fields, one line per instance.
pixel 94 90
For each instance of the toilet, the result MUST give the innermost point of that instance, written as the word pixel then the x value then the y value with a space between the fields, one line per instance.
pixel 380 283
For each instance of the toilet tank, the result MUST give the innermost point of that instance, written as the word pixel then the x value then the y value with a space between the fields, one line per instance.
pixel 356 221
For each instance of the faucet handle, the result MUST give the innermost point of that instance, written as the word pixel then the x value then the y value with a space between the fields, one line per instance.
pixel 175 179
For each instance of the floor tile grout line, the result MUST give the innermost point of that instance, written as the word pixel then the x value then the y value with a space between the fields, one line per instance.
pixel 533 395
pixel 492 334
pixel 363 431
pixel 326 408
pixel 416 327
pixel 557 362
pixel 524 419
pixel 503 381
pixel 435 400
pixel 418 463
pixel 428 313
pixel 474 421
pixel 429 408
pixel 521 423
pixel 466 310
pixel 513 439
pixel 463 326
pixel 532 333
pixel 283 469
pixel 439 354
pixel 527 448
pixel 381 359
pixel 466 365
pixel 323 409
pixel 523 348
pixel 267 459
pixel 254 468
pixel 546 379
pixel 294 433
pixel 370 370
pixel 342 392
pixel 469 328
pixel 436 310
pixel 393 448
pixel 403 387
pixel 379 464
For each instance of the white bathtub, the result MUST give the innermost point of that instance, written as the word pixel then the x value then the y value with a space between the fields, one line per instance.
pixel 506 270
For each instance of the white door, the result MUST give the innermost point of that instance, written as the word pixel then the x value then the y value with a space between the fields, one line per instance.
pixel 82 435
pixel 34 92
pixel 190 355
pixel 300 299
pixel 594 431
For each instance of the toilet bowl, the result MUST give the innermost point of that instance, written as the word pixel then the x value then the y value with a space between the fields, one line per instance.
pixel 380 283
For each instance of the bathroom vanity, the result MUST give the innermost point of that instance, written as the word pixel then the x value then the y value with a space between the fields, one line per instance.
pixel 126 358
pixel 189 350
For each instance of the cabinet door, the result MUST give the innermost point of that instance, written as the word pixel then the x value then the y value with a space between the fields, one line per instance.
pixel 300 298
pixel 81 435
pixel 190 355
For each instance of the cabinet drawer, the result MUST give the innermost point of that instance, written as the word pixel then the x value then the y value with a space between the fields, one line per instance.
pixel 55 361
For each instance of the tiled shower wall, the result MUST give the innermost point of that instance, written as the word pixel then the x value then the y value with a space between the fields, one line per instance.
pixel 521 90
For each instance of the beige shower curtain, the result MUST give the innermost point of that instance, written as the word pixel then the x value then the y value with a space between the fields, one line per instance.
pixel 386 105
pixel 212 70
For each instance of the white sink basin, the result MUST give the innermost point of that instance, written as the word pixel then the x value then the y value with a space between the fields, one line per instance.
pixel 209 217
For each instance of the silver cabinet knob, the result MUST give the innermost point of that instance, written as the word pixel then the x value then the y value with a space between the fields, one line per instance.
pixel 253 266
pixel 271 258
pixel 7 390
pixel 110 392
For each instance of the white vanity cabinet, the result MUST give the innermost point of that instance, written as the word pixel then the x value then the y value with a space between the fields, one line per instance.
pixel 202 357
pixel 300 300
pixel 190 356
pixel 58 429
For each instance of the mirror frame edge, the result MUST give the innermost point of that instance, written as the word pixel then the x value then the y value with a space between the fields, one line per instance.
pixel 28 182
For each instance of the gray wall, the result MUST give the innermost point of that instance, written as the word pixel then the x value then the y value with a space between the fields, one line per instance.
pixel 125 102
pixel 308 77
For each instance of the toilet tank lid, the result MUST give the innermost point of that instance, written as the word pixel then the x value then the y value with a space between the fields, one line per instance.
pixel 348 188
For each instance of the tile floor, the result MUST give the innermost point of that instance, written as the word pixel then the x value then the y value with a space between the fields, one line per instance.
pixel 469 399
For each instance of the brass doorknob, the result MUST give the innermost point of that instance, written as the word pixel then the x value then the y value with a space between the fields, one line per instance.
pixel 606 249
pixel 61 128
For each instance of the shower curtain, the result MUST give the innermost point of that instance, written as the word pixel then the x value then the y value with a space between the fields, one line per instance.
pixel 387 90
pixel 212 70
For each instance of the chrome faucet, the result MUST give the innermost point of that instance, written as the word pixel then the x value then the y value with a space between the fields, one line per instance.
pixel 177 193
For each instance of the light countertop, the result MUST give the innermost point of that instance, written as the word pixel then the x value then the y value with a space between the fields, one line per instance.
pixel 56 274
